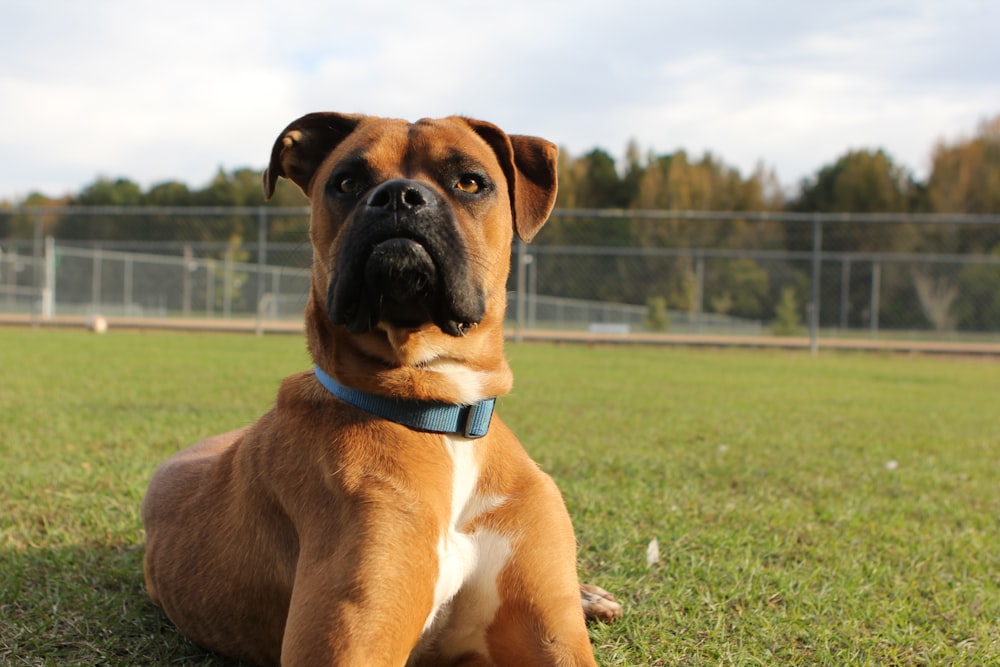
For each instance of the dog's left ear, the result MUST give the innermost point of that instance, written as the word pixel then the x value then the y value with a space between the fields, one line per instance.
pixel 529 163
pixel 303 145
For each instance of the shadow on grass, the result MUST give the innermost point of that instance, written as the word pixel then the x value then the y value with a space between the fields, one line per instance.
pixel 86 605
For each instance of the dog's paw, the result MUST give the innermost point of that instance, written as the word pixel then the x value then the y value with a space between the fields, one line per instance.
pixel 598 604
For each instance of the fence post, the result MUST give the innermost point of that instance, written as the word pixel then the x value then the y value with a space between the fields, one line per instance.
pixel 227 283
pixel 186 280
pixel 816 266
pixel 699 290
pixel 129 269
pixel 12 263
pixel 876 296
pixel 95 281
pixel 845 292
pixel 522 266
pixel 532 317
pixel 36 270
pixel 261 259
pixel 276 291
pixel 210 271
pixel 49 288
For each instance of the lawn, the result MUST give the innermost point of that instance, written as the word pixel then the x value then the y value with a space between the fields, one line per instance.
pixel 838 510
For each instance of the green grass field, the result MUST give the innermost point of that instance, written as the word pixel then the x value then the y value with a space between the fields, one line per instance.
pixel 839 510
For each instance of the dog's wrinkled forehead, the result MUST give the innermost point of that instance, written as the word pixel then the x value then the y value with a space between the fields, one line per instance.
pixel 422 150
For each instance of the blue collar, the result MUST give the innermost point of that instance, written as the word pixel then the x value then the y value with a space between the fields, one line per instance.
pixel 470 421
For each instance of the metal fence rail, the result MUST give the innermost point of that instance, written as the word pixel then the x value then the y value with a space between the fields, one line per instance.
pixel 757 274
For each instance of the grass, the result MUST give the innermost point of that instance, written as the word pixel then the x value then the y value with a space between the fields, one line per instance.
pixel 839 510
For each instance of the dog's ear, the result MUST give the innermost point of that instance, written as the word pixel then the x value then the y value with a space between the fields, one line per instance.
pixel 303 145
pixel 529 163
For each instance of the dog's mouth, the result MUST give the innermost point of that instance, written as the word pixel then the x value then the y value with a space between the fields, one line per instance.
pixel 403 285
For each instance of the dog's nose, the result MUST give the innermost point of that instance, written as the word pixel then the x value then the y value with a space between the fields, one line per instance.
pixel 398 194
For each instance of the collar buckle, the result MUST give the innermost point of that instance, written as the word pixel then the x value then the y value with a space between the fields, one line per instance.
pixel 476 418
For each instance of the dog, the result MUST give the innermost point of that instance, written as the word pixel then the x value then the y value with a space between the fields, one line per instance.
pixel 380 513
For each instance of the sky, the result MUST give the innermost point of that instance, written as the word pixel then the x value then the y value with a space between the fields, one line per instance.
pixel 159 91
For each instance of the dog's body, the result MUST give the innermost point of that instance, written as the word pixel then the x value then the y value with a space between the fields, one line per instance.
pixel 325 535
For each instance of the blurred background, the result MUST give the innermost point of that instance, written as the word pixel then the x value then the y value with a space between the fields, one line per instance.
pixel 773 170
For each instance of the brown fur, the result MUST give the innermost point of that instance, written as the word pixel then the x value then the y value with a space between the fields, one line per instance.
pixel 311 537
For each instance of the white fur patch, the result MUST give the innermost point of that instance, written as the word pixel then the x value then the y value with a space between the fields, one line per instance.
pixel 473 608
pixel 468 383
pixel 465 594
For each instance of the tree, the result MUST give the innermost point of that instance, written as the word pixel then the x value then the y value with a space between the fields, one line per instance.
pixel 290 228
pixel 634 171
pixel 788 318
pixel 600 185
pixel 169 193
pixel 104 192
pixel 978 305
pixel 740 286
pixel 965 176
pixel 222 190
pixel 567 170
pixel 657 317
pixel 666 184
pixel 860 181
pixel 22 225
pixel 107 192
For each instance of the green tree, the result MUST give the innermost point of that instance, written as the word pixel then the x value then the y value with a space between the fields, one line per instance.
pixel 594 180
pixel 634 172
pixel 657 317
pixel 741 286
pixel 600 185
pixel 22 225
pixel 227 190
pixel 978 305
pixel 287 228
pixel 104 192
pixel 860 181
pixel 222 190
pixel 169 193
pixel 107 192
pixel 788 318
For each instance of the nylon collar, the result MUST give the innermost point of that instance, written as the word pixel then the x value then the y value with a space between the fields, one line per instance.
pixel 469 421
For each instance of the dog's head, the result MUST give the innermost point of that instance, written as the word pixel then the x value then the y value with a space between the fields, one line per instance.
pixel 411 229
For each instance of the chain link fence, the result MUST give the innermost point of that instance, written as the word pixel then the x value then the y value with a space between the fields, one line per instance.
pixel 607 273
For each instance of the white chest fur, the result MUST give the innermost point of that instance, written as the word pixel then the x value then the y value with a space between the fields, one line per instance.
pixel 465 594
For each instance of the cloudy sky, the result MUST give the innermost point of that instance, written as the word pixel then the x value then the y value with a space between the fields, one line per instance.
pixel 157 91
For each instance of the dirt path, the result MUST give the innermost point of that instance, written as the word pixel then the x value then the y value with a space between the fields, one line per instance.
pixel 249 325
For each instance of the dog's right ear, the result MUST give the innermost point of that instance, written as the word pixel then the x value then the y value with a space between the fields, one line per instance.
pixel 529 163
pixel 303 145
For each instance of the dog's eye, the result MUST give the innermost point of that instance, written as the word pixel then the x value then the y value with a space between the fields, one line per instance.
pixel 349 185
pixel 469 183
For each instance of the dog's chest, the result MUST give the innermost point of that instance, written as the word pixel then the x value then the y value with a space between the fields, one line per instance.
pixel 465 594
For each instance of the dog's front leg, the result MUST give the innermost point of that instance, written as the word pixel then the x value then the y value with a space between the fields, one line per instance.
pixel 360 604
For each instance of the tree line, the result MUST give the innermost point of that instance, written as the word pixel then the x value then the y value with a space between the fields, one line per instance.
pixel 964 177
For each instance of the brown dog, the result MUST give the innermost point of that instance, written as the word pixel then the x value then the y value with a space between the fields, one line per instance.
pixel 376 515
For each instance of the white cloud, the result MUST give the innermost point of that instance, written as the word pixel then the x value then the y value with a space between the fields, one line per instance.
pixel 164 91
